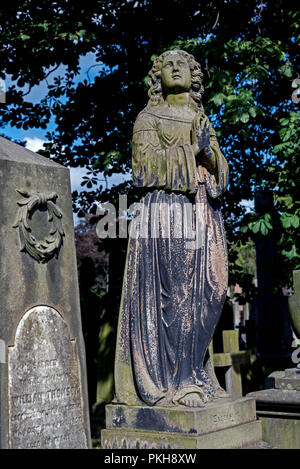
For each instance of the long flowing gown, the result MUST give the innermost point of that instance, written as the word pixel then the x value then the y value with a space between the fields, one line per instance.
pixel 175 278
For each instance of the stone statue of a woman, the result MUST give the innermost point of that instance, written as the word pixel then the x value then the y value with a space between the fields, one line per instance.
pixel 173 290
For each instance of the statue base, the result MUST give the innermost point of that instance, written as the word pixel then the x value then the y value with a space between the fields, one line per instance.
pixel 224 423
pixel 279 409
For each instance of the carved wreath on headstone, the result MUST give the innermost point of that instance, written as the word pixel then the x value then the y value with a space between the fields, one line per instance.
pixel 43 250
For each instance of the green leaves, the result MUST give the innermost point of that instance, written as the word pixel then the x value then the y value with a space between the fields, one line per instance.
pixel 286 70
pixel 261 226
pixel 244 117
pixel 289 133
pixel 24 37
pixel 289 220
pixel 248 82
pixel 291 254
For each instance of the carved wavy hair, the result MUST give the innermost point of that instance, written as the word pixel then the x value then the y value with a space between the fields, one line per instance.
pixel 155 91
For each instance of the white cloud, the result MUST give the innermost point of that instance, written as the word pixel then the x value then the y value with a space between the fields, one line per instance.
pixel 34 144
pixel 248 204
pixel 76 175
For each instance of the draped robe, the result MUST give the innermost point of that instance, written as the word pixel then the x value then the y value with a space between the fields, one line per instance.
pixel 175 278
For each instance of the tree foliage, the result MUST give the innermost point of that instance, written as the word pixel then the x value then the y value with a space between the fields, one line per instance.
pixel 248 53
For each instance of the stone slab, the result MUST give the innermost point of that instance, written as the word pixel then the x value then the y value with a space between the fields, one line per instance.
pixel 30 280
pixel 289 384
pixel 234 437
pixel 277 400
pixel 259 445
pixel 287 380
pixel 280 432
pixel 292 373
pixel 220 414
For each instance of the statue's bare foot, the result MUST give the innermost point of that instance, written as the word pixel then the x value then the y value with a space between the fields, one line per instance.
pixel 193 399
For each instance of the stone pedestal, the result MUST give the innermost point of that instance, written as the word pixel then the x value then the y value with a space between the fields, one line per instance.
pixel 278 409
pixel 43 391
pixel 224 423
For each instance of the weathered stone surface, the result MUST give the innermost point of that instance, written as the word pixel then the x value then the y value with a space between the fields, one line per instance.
pixel 175 278
pixel 280 432
pixel 221 414
pixel 292 373
pixel 259 445
pixel 230 438
pixel 175 282
pixel 48 278
pixel 225 423
pixel 279 412
pixel 288 384
pixel 44 394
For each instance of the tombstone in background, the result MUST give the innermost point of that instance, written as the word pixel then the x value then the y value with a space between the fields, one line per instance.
pixel 43 374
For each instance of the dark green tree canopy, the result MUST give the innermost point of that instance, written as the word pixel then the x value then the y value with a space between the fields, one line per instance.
pixel 248 53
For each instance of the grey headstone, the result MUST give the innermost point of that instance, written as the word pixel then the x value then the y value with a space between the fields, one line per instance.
pixel 43 400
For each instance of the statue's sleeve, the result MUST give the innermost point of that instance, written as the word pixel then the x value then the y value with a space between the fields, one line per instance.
pixel 172 168
pixel 215 183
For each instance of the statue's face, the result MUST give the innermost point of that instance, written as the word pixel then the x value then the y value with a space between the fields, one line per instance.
pixel 175 74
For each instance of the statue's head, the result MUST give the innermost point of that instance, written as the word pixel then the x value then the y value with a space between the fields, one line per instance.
pixel 175 71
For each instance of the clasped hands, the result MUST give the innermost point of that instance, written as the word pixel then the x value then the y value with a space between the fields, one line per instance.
pixel 201 141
